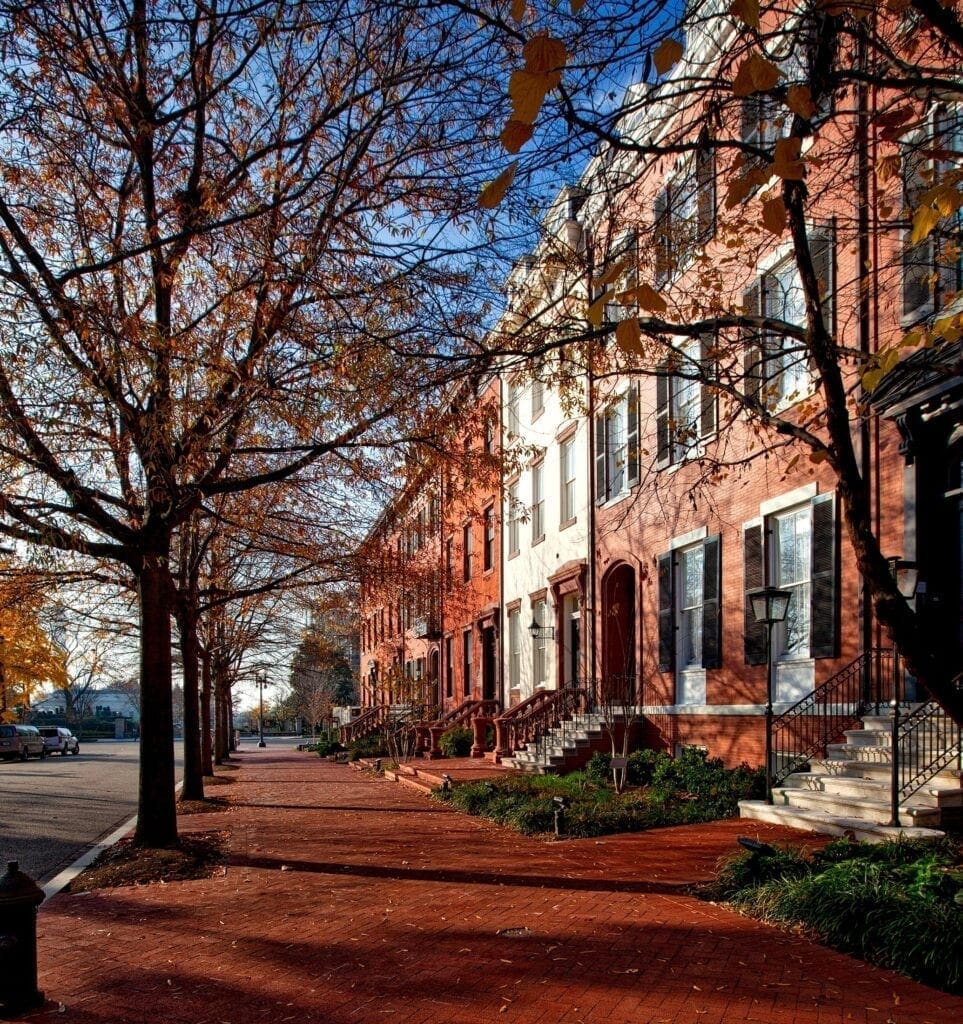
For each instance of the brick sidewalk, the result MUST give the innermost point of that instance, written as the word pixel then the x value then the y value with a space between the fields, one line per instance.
pixel 349 899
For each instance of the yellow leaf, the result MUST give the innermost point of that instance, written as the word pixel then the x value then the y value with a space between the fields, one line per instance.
pixel 494 192
pixel 667 53
pixel 774 215
pixel 924 220
pixel 887 167
pixel 527 91
pixel 755 74
pixel 871 379
pixel 628 336
pixel 514 135
pixel 518 10
pixel 787 163
pixel 597 310
pixel 800 101
pixel 613 272
pixel 543 53
pixel 945 198
pixel 746 11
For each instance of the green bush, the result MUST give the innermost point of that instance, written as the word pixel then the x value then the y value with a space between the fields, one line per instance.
pixel 326 746
pixel 370 746
pixel 456 742
pixel 898 905
pixel 599 768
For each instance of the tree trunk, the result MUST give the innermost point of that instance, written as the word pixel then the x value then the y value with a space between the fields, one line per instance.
pixel 156 806
pixel 193 788
pixel 207 752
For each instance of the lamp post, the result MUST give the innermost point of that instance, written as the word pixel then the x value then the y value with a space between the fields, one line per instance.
pixel 538 632
pixel 262 681
pixel 769 606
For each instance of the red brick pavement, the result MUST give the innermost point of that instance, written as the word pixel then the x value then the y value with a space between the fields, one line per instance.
pixel 350 899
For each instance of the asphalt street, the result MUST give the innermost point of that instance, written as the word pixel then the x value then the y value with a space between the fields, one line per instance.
pixel 51 811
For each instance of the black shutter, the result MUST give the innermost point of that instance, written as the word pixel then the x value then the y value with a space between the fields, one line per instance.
pixel 705 164
pixel 824 572
pixel 709 371
pixel 663 449
pixel 754 577
pixel 601 483
pixel 666 614
pixel 662 239
pixel 754 363
pixel 918 260
pixel 711 602
pixel 824 263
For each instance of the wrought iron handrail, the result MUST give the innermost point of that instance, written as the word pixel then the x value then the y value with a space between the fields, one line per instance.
pixel 365 724
pixel 466 712
pixel 531 720
pixel 804 730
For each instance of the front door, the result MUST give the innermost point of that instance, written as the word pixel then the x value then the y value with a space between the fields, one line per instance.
pixel 488 663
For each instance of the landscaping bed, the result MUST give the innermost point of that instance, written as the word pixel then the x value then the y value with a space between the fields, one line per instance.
pixel 898 905
pixel 662 791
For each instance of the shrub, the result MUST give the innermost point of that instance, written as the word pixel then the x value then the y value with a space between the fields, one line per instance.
pixel 599 768
pixel 456 742
pixel 326 746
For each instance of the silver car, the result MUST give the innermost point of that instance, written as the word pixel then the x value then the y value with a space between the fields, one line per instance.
pixel 57 738
pixel 21 741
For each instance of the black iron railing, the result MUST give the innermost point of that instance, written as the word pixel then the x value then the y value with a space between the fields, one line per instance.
pixel 805 730
pixel 531 721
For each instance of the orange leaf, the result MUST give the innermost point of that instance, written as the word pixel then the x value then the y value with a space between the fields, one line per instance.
pixel 800 101
pixel 543 53
pixel 746 11
pixel 514 135
pixel 494 192
pixel 888 166
pixel 613 272
pixel 527 91
pixel 787 163
pixel 518 10
pixel 597 310
pixel 577 5
pixel 755 74
pixel 774 215
pixel 667 53
pixel 628 336
pixel 649 298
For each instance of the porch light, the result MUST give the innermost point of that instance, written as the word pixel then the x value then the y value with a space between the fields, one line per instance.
pixel 769 606
pixel 538 632
pixel 906 573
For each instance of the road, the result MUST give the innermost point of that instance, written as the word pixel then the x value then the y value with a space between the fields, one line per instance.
pixel 52 811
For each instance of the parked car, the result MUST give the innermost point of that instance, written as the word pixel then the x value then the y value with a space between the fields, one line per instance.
pixel 21 741
pixel 56 738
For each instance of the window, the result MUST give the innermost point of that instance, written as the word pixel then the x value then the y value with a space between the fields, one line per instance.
pixel 515 648
pixel 777 365
pixel 466 663
pixel 512 407
pixel 690 623
pixel 566 459
pixel 538 398
pixel 540 647
pixel 619 272
pixel 617 447
pixel 796 550
pixel 933 268
pixel 685 403
pixel 449 562
pixel 538 502
pixel 449 666
pixel 488 553
pixel 685 213
pixel 514 511
pixel 466 551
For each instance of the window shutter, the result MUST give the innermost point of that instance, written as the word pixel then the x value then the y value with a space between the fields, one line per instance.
pixel 711 602
pixel 918 260
pixel 754 364
pixel 949 139
pixel 666 615
pixel 663 447
pixel 824 263
pixel 663 241
pixel 601 483
pixel 754 576
pixel 705 163
pixel 707 363
pixel 632 434
pixel 824 572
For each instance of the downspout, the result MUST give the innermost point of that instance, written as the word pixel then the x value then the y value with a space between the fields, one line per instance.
pixel 500 618
pixel 592 616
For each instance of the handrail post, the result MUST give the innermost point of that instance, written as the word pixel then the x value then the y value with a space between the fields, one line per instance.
pixel 894 758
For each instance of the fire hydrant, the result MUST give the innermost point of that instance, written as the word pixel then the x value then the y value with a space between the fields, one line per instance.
pixel 19 898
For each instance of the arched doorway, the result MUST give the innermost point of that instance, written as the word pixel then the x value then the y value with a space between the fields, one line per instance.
pixel 618 630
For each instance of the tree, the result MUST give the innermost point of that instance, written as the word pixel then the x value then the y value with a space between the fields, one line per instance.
pixel 212 277
pixel 799 122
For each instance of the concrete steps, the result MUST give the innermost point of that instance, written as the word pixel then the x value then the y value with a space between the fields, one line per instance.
pixel 565 748
pixel 848 792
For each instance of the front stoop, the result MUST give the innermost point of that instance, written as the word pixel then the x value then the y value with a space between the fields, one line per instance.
pixel 565 748
pixel 848 793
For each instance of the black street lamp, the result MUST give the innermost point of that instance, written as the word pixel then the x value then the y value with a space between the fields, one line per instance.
pixel 262 680
pixel 769 606
pixel 537 632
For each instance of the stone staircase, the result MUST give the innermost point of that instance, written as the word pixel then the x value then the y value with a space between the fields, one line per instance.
pixel 564 748
pixel 848 792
